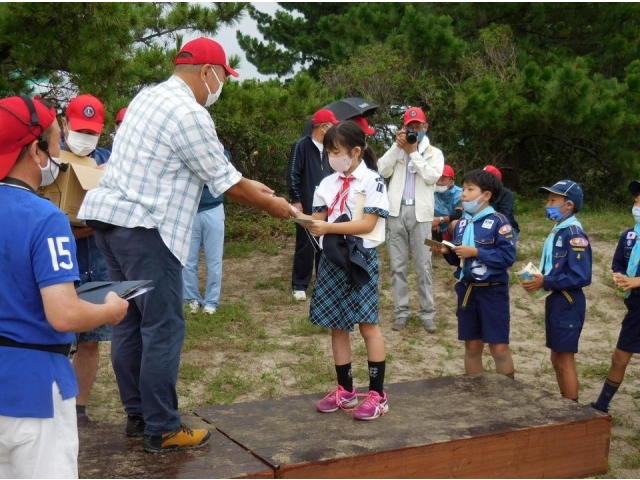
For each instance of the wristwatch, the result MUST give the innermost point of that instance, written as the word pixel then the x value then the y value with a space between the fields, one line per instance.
pixel 441 220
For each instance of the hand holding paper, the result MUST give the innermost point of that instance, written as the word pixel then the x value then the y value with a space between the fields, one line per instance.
pixel 443 247
pixel 532 281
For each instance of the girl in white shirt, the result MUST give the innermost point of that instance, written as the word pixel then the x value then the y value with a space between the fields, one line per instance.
pixel 346 288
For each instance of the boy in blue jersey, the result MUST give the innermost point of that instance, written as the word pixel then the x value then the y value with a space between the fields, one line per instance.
pixel 39 308
pixel 627 277
pixel 484 250
pixel 565 269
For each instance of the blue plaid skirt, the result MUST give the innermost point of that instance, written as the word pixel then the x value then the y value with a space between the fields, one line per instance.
pixel 339 304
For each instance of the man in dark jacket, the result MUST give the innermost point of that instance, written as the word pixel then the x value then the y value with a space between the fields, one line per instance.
pixel 308 165
pixel 506 203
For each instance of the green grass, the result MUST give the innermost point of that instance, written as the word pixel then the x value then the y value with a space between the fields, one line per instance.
pixel 230 382
pixel 596 371
pixel 302 327
pixel 191 373
pixel 631 461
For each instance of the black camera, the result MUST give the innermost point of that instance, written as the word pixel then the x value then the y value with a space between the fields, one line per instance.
pixel 411 136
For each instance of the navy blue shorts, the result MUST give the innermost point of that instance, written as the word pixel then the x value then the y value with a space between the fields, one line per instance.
pixel 564 314
pixel 629 338
pixel 483 312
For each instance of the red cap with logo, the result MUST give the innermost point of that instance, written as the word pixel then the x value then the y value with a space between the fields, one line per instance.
pixel 414 114
pixel 323 116
pixel 204 50
pixel 448 171
pixel 120 115
pixel 494 170
pixel 19 127
pixel 85 112
pixel 364 125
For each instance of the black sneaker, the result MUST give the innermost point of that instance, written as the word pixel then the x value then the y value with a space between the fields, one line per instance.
pixel 181 438
pixel 135 426
pixel 593 405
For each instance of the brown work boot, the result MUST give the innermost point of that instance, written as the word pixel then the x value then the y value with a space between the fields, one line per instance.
pixel 181 438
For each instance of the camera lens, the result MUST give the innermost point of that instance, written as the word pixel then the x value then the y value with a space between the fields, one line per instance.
pixel 412 137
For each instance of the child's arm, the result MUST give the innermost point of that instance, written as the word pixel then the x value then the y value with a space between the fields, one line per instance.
pixel 357 227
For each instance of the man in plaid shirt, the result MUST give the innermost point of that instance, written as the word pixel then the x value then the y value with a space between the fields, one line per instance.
pixel 166 150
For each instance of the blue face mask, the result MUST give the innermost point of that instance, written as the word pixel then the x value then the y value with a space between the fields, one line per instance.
pixel 421 135
pixel 553 213
pixel 473 206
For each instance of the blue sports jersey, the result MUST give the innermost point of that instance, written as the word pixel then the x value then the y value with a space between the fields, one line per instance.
pixel 571 266
pixel 37 251
pixel 496 250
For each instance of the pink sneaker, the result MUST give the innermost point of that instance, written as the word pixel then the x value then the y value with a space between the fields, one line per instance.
pixel 372 407
pixel 338 398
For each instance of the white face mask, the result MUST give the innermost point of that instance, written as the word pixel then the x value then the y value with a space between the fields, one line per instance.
pixel 49 171
pixel 636 214
pixel 213 97
pixel 82 144
pixel 340 164
pixel 441 188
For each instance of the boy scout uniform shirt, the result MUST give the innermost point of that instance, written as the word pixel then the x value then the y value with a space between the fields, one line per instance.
pixel 40 252
pixel 496 250
pixel 571 260
pixel 621 256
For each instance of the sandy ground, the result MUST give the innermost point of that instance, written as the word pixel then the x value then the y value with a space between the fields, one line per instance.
pixel 412 353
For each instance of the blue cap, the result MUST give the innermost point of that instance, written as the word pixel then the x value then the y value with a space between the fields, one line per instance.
pixel 566 188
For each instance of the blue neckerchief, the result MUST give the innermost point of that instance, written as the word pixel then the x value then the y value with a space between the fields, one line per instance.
pixel 634 258
pixel 546 261
pixel 468 235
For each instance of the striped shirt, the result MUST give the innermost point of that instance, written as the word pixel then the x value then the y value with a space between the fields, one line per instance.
pixel 409 192
pixel 165 151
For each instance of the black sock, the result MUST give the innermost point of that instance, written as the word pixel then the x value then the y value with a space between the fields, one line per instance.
pixel 81 409
pixel 376 376
pixel 345 380
pixel 609 389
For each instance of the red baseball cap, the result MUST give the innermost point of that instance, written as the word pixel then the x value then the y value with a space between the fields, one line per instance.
pixel 448 171
pixel 364 125
pixel 120 115
pixel 414 114
pixel 494 171
pixel 204 50
pixel 85 112
pixel 323 116
pixel 17 129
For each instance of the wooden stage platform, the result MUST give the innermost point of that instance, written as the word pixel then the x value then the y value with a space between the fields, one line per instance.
pixel 478 426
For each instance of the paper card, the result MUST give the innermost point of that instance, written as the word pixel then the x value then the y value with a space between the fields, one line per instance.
pixel 524 275
pixel 434 243
pixel 377 234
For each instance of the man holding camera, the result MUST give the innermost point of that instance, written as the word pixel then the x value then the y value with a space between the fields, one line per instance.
pixel 413 167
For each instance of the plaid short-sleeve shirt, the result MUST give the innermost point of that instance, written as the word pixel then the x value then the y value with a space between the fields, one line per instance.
pixel 165 151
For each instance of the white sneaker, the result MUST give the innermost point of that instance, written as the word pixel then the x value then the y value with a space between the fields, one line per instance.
pixel 194 305
pixel 299 295
pixel 209 310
